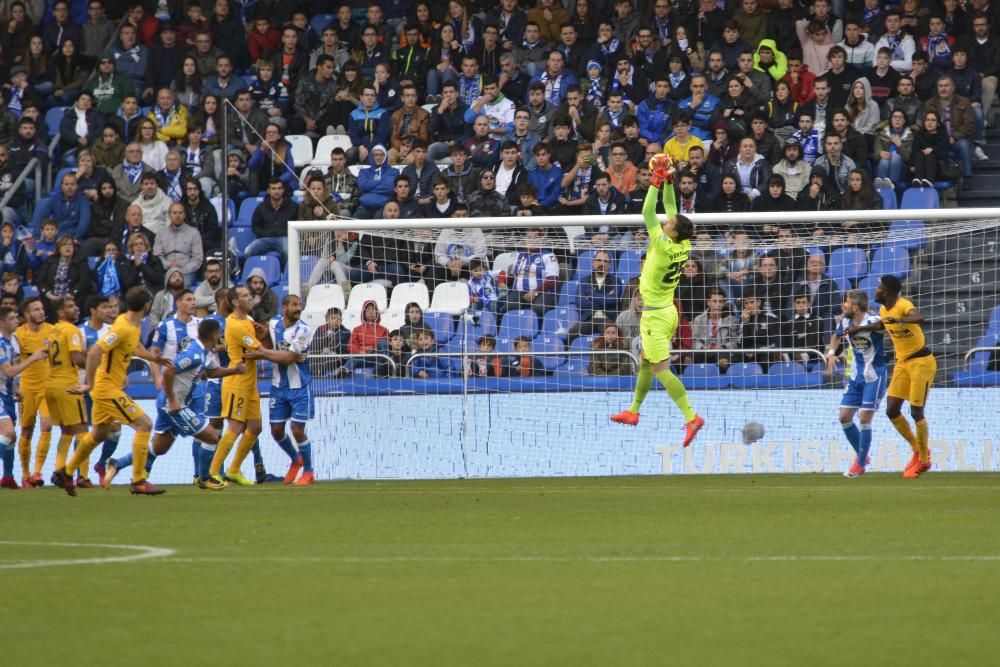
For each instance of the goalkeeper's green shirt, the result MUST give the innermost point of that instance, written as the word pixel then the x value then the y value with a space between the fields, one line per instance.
pixel 665 258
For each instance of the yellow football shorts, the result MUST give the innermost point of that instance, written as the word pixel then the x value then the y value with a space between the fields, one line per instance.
pixel 657 328
pixel 119 408
pixel 240 405
pixel 912 379
pixel 65 409
pixel 33 404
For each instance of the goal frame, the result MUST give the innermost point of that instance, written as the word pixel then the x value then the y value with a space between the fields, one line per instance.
pixel 296 227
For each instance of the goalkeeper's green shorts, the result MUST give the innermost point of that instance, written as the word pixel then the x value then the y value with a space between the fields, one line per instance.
pixel 657 328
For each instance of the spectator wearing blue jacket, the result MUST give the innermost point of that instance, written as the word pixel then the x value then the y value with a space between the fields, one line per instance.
pixel 598 298
pixel 273 159
pixel 430 367
pixel 67 206
pixel 376 183
pixel 556 77
pixel 655 111
pixel 369 125
pixel 546 177
pixel 702 105
pixel 131 57
pixel 224 84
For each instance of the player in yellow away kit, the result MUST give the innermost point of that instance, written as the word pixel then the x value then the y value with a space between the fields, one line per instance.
pixel 107 366
pixel 914 371
pixel 240 398
pixel 31 337
pixel 65 409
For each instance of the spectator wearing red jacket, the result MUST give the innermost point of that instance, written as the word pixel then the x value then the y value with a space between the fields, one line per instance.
pixel 799 78
pixel 263 40
pixel 366 337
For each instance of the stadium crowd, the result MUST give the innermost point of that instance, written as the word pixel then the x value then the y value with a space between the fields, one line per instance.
pixel 474 108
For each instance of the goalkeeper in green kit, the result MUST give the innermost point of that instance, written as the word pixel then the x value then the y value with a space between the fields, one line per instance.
pixel 669 246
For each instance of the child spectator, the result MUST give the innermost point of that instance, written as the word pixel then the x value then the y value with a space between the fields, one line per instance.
pixel 399 355
pixel 522 363
pixel 44 247
pixel 330 338
pixel 270 95
pixel 365 337
pixel 12 285
pixel 484 364
pixel 13 255
pixel 428 367
pixel 528 205
pixel 483 291
pixel 414 325
pixel 610 364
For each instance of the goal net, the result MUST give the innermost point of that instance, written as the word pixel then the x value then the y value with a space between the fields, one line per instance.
pixel 500 347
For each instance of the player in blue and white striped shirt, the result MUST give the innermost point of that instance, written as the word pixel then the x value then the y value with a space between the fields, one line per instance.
pixel 868 378
pixel 10 367
pixel 172 335
pixel 291 389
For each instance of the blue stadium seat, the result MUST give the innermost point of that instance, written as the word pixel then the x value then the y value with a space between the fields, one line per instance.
pixel 319 22
pixel 629 264
pixel 978 373
pixel 247 208
pixel 486 326
pixel 280 291
pixel 30 291
pixel 889 202
pixel 746 376
pixel 868 285
pixel 993 327
pixel 704 376
pixel 269 263
pixel 847 263
pixel 92 262
pixel 890 259
pixel 792 374
pixel 518 323
pixel 442 325
pixel 550 344
pixel 53 117
pixel 558 321
pixel 306 264
pixel 920 198
pixel 580 363
pixel 243 237
pixel 909 234
pixel 585 264
pixel 568 293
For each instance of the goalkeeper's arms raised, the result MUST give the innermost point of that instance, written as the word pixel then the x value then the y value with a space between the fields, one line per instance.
pixel 653 226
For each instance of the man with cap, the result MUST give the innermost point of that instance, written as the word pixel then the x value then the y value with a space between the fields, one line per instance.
pixel 108 87
pixel 793 168
pixel 164 61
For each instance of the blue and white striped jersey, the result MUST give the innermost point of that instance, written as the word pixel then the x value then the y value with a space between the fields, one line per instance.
pixel 295 338
pixel 92 335
pixel 224 355
pixel 191 364
pixel 172 336
pixel 8 353
pixel 868 348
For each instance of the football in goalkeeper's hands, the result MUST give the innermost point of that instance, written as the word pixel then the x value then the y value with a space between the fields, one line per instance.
pixel 661 167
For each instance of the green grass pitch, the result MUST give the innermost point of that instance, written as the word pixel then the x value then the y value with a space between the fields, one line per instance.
pixel 738 570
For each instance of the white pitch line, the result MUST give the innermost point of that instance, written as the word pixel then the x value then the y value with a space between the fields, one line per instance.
pixel 849 486
pixel 578 559
pixel 140 553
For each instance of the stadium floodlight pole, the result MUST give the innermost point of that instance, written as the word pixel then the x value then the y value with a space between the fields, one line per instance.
pixel 225 192
pixel 297 227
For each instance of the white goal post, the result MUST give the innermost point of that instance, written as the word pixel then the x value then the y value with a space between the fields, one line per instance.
pixel 296 228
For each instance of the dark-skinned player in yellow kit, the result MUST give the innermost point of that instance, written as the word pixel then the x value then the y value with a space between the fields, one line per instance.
pixel 913 373
pixel 669 247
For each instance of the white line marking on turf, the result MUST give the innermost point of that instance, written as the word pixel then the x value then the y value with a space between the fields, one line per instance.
pixel 138 553
pixel 847 486
pixel 579 559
